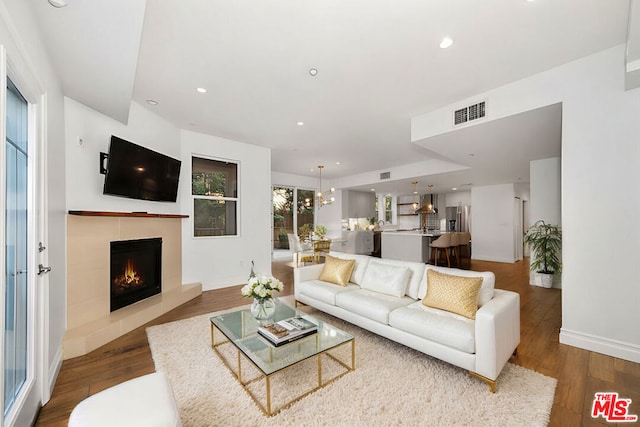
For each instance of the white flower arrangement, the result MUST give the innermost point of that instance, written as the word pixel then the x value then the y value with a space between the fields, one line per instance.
pixel 261 287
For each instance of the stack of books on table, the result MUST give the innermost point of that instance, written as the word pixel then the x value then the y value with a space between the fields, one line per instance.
pixel 288 330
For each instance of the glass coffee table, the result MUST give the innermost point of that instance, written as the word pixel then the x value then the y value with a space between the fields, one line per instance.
pixel 239 328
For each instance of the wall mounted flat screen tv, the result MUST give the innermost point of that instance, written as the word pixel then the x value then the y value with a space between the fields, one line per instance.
pixel 140 173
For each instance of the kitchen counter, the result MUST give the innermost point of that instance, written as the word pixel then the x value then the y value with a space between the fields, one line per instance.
pixel 430 233
pixel 408 245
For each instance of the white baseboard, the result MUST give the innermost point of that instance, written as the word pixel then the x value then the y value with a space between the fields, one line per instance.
pixel 54 368
pixel 602 345
pixel 482 257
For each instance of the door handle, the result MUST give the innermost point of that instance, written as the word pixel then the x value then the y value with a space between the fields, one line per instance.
pixel 42 269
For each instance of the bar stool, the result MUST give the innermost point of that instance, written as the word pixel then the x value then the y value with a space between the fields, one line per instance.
pixel 463 242
pixel 442 242
pixel 455 249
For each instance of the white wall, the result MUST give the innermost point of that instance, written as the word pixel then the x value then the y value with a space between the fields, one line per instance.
pixel 462 197
pixel 30 63
pixel 492 223
pixel 218 262
pixel 84 181
pixel 600 156
pixel 545 199
pixel 545 191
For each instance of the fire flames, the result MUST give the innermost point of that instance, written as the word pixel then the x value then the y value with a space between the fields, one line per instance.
pixel 129 278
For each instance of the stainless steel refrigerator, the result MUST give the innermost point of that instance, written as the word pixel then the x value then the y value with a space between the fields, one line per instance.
pixel 459 218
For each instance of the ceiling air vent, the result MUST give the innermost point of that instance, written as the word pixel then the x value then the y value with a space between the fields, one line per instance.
pixel 385 175
pixel 467 114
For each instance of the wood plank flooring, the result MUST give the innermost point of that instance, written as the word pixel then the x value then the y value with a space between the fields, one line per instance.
pixel 580 373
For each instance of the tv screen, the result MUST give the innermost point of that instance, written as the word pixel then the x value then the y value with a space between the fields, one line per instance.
pixel 139 173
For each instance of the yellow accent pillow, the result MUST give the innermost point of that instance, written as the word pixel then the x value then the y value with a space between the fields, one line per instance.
pixel 337 270
pixel 453 293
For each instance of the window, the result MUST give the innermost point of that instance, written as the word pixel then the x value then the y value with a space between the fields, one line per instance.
pixel 214 186
pixel 388 209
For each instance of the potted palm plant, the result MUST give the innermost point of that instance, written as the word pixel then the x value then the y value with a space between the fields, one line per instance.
pixel 545 241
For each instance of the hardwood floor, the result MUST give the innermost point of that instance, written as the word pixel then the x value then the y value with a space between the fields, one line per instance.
pixel 580 373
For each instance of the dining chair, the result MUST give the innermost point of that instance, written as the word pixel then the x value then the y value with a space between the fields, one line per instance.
pixel 301 254
pixel 320 248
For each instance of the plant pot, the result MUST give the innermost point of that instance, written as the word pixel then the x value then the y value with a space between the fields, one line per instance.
pixel 544 280
pixel 263 310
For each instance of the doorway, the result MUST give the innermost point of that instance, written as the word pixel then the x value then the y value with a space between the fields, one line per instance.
pixel 23 282
pixel 292 209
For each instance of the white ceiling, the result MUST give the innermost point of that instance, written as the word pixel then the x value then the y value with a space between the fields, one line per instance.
pixel 378 64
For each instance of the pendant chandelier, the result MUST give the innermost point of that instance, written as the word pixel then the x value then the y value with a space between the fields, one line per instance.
pixel 430 206
pixel 415 192
pixel 322 200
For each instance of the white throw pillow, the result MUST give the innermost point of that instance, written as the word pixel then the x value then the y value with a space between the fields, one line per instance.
pixel 386 279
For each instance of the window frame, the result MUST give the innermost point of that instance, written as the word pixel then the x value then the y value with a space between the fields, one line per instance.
pixel 224 198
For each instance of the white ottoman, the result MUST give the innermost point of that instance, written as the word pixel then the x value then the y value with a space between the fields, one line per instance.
pixel 142 401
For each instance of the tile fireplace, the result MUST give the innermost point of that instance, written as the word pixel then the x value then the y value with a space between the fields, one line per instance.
pixel 91 322
pixel 136 271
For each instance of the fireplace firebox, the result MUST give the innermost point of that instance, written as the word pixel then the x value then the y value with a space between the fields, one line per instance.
pixel 136 271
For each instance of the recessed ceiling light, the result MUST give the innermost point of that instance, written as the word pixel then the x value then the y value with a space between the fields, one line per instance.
pixel 373 189
pixel 152 102
pixel 201 90
pixel 454 188
pixel 446 42
pixel 58 3
pixel 337 163
pixel 311 170
pixel 313 72
pixel 300 123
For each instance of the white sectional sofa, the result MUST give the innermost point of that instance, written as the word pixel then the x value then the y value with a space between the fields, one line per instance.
pixel 481 346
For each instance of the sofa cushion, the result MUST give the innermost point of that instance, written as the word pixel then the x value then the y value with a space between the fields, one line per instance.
pixel 445 328
pixel 323 291
pixel 453 293
pixel 486 291
pixel 337 270
pixel 386 278
pixel 370 304
pixel 416 273
pixel 361 265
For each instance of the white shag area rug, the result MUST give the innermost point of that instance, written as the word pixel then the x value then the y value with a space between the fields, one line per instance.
pixel 392 385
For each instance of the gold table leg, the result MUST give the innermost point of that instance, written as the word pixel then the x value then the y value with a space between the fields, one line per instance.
pixel 267 409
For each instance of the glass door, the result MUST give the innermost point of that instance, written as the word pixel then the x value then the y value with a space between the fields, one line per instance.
pixel 305 213
pixel 282 216
pixel 16 301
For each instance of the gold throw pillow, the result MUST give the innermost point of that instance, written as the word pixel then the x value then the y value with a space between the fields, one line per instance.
pixel 453 293
pixel 337 270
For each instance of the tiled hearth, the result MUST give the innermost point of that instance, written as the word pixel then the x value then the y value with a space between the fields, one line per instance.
pixel 90 323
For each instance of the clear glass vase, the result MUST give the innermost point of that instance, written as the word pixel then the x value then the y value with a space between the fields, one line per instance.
pixel 263 310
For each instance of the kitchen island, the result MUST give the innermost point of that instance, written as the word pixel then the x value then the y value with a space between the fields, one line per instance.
pixel 411 245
